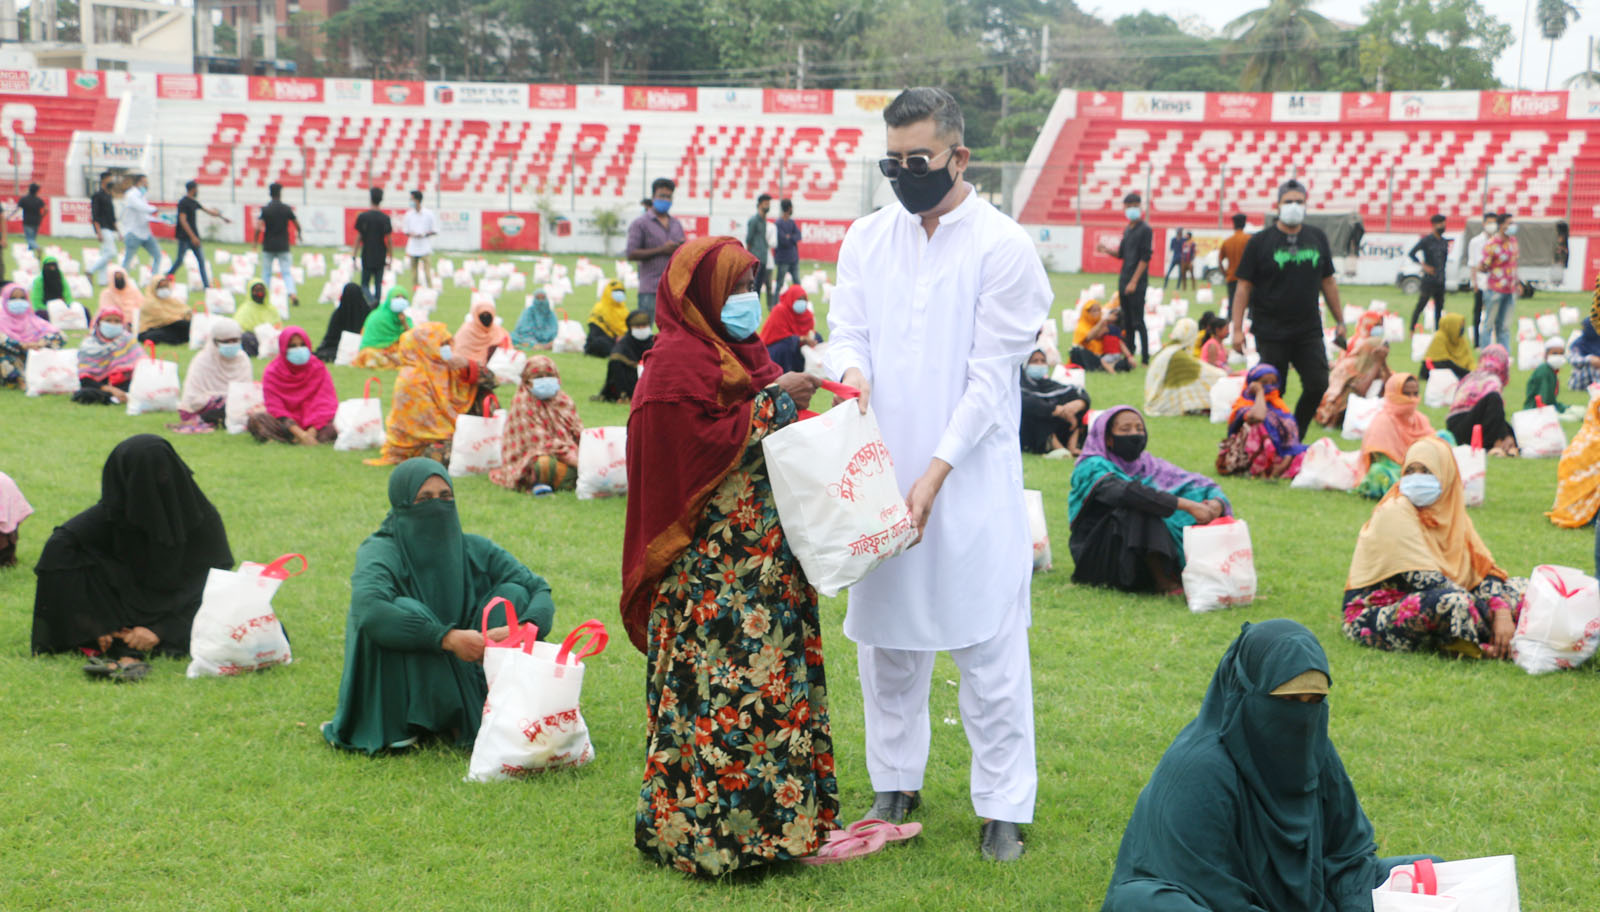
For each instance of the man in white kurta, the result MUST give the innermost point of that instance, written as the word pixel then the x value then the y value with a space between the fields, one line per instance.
pixel 933 316
pixel 420 225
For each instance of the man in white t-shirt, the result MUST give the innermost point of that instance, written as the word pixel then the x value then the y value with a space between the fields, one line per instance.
pixel 1479 279
pixel 419 226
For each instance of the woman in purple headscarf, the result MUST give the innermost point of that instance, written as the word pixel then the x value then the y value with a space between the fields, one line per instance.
pixel 1127 509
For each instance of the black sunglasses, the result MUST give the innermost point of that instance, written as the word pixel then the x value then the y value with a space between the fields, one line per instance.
pixel 914 165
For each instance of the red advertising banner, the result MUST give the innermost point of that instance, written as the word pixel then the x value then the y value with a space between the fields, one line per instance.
pixel 660 98
pixel 797 101
pixel 1238 106
pixel 75 212
pixel 285 88
pixel 397 239
pixel 178 86
pixel 1100 104
pixel 695 226
pixel 510 230
pixel 1522 105
pixel 393 92
pixel 553 97
pixel 1364 106
pixel 14 218
pixel 820 239
pixel 86 84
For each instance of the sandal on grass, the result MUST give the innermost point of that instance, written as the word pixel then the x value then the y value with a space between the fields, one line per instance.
pixel 131 672
pixel 845 845
pixel 100 669
pixel 903 832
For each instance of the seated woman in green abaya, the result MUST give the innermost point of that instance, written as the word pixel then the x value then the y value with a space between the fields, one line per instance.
pixel 413 649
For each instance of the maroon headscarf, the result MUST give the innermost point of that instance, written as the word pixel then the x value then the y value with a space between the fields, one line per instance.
pixel 304 394
pixel 691 416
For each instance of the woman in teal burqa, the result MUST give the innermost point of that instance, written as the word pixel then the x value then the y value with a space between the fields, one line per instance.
pixel 1250 810
pixel 413 649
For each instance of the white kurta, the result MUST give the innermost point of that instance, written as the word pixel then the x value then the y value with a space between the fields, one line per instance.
pixel 420 225
pixel 941 326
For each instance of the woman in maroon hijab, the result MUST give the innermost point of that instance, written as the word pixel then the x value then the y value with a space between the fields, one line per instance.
pixel 739 766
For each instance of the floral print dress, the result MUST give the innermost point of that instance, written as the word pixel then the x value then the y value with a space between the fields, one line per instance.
pixel 14 356
pixel 739 764
pixel 1423 609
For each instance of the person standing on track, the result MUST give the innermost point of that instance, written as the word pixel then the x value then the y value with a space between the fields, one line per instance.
pixel 1435 257
pixel 374 246
pixel 103 214
pixel 420 226
pixel 1282 271
pixel 1134 280
pixel 272 233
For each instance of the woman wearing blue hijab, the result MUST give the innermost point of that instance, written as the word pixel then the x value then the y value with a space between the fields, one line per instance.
pixel 537 326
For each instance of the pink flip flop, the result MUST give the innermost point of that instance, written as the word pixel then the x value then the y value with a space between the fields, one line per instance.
pixel 860 839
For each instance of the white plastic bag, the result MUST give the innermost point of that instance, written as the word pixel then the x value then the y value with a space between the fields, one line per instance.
pixel 1441 388
pixel 1569 315
pixel 1530 353
pixel 51 371
pixel 236 629
pixel 1539 433
pixel 1394 328
pixel 1560 622
pixel 569 338
pixel 1224 393
pixel 244 397
pixel 155 386
pixel 1358 414
pixel 834 485
pixel 1069 375
pixel 1548 324
pixel 507 365
pixel 199 330
pixel 219 301
pixel 266 341
pixel 1419 346
pixel 475 448
pixel 1473 885
pixel 1327 468
pixel 1042 559
pixel 360 421
pixel 66 316
pixel 531 720
pixel 1219 569
pixel 1473 467
pixel 603 463
pixel 349 347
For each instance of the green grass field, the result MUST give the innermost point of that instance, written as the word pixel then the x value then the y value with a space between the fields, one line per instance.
pixel 220 794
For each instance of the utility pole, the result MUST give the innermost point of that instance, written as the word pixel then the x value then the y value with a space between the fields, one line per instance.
pixel 800 67
pixel 1044 48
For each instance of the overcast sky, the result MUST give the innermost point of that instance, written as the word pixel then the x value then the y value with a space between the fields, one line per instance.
pixel 1569 50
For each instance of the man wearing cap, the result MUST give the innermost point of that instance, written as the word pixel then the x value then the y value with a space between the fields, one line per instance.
pixel 1499 266
pixel 1435 252
pixel 1134 279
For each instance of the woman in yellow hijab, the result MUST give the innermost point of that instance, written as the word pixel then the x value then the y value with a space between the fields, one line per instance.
pixel 1420 578
pixel 434 387
pixel 1449 348
pixel 608 321
pixel 1578 477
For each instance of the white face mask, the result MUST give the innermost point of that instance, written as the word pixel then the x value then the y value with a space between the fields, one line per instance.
pixel 1511 230
pixel 1490 227
pixel 1133 213
pixel 642 333
pixel 1292 214
pixel 1556 362
pixel 163 292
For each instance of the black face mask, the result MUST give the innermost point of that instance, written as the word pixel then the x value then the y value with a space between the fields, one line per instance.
pixel 486 318
pixel 919 194
pixel 1128 447
pixel 121 282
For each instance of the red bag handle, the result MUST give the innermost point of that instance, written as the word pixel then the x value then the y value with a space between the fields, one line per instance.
pixel 150 346
pixel 1561 587
pixel 1426 880
pixel 487 411
pixel 840 391
pixel 366 389
pixel 1429 362
pixel 521 636
pixel 596 643
pixel 1539 400
pixel 278 569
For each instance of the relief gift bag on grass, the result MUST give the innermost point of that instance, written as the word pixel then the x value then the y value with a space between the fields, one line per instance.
pixel 1358 414
pixel 838 499
pixel 359 421
pixel 349 347
pixel 51 371
pixel 1472 463
pixel 1441 388
pixel 603 463
pixel 1223 395
pixel 507 365
pixel 1471 885
pixel 1538 432
pixel 475 448
pixel 531 720
pixel 244 397
pixel 1560 622
pixel 1042 558
pixel 1219 569
pixel 155 385
pixel 236 629
pixel 1327 468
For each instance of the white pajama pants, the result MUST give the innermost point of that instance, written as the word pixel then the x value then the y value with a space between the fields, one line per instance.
pixel 996 700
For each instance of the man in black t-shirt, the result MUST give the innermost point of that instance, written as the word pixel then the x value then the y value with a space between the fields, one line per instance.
pixel 1134 279
pixel 32 209
pixel 1281 272
pixel 373 246
pixel 1435 252
pixel 103 214
pixel 272 233
pixel 188 230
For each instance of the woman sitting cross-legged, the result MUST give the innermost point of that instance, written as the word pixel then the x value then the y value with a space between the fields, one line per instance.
pixel 124 578
pixel 381 333
pixel 1450 349
pixel 49 285
pixel 1052 413
pixel 435 386
pixel 478 336
pixel 21 329
pixel 1251 809
pixel 608 321
pixel 106 358
pixel 1480 402
pixel 542 432
pixel 1393 430
pixel 220 363
pixel 164 317
pixel 1263 439
pixel 1095 345
pixel 1127 509
pixel 622 371
pixel 1364 362
pixel 297 395
pixel 1178 383
pixel 1420 577
pixel 350 316
pixel 537 327
pixel 256 317
pixel 413 646
pixel 790 327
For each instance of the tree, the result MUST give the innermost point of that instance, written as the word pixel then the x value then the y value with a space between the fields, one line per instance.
pixel 1553 18
pixel 67 31
pixel 1418 45
pixel 383 32
pixel 1281 43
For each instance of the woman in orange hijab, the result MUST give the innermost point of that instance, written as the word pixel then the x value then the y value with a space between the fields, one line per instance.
pixel 1393 430
pixel 479 334
pixel 711 592
pixel 435 385
pixel 1420 577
